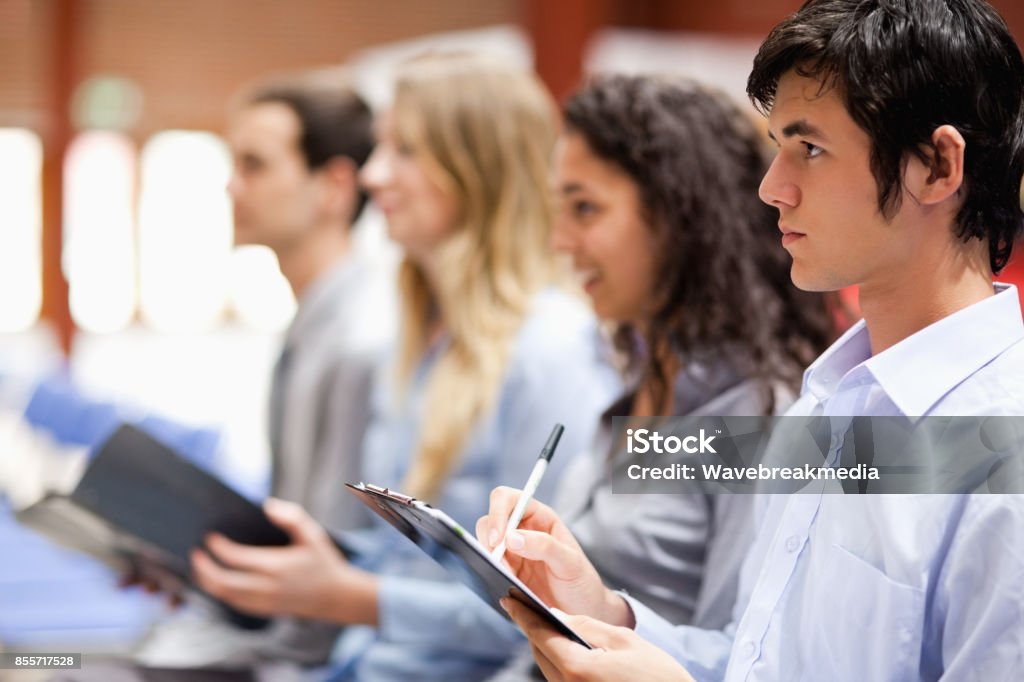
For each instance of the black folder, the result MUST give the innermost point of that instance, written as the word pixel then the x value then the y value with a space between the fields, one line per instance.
pixel 142 506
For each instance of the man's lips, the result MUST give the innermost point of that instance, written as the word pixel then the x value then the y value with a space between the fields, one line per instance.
pixel 790 235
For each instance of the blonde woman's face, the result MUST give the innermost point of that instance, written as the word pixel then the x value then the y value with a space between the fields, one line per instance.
pixel 600 225
pixel 420 214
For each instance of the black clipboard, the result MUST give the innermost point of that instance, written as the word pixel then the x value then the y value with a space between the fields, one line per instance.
pixel 435 532
pixel 139 504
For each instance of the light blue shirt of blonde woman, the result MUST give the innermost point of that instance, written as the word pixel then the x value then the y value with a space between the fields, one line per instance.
pixel 430 626
pixel 884 587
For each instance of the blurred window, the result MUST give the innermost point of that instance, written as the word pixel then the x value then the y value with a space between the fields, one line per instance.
pixel 190 274
pixel 21 161
pixel 259 295
pixel 99 234
pixel 184 230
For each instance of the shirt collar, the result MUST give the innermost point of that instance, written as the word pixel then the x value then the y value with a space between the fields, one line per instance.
pixel 922 368
pixel 824 374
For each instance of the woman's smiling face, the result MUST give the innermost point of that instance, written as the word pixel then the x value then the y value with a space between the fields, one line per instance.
pixel 601 225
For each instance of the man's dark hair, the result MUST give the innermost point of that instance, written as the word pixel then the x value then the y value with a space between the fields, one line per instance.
pixel 336 122
pixel 724 292
pixel 903 68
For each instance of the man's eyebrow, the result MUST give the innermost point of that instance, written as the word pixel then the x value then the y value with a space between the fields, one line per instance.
pixel 571 188
pixel 799 128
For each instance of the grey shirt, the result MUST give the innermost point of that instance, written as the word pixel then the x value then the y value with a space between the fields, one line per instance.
pixel 680 554
pixel 319 413
pixel 320 405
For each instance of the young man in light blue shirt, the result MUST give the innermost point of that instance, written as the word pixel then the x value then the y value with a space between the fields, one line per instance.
pixel 900 128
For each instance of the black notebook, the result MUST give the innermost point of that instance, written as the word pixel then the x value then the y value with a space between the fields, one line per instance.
pixel 140 505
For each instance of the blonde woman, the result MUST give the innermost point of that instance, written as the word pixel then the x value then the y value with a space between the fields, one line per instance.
pixel 492 354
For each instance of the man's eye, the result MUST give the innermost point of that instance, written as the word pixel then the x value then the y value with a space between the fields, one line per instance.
pixel 811 150
pixel 250 165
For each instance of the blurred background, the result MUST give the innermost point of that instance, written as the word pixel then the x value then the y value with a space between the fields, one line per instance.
pixel 116 255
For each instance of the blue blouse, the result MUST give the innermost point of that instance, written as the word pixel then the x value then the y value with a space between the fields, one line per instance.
pixel 430 627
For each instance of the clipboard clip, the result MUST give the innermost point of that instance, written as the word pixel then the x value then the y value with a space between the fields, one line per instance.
pixel 398 497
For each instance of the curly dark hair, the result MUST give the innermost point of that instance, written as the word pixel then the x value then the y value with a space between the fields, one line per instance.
pixel 903 68
pixel 724 290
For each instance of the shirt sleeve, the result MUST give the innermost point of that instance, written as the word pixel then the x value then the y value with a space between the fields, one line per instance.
pixel 704 653
pixel 443 615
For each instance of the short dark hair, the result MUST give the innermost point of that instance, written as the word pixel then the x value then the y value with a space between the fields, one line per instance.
pixel 903 68
pixel 335 121
pixel 724 289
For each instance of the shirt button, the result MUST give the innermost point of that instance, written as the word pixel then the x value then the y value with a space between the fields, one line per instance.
pixel 907 628
pixel 749 649
pixel 792 543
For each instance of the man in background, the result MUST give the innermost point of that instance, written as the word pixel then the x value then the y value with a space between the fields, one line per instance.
pixel 297 146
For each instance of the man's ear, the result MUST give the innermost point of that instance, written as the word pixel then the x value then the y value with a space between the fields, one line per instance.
pixel 340 186
pixel 943 175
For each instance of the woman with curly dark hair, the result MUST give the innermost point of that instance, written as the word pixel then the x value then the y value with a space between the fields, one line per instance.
pixel 658 181
pixel 697 274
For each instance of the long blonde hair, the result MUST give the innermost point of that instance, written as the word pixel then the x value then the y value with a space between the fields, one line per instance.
pixel 483 131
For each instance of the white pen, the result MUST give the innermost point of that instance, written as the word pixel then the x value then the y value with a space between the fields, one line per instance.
pixel 530 488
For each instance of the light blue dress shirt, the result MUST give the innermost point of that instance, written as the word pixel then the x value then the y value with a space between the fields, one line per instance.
pixel 884 587
pixel 431 628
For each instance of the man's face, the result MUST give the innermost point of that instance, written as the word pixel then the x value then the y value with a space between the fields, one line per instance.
pixel 821 182
pixel 275 196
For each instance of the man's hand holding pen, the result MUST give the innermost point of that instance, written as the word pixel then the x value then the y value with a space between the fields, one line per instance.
pixel 546 557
